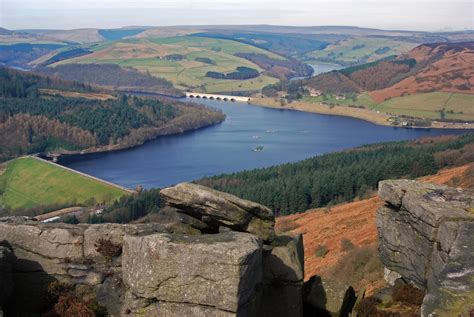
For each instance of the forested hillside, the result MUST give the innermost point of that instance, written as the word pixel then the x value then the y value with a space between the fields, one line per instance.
pixel 366 77
pixel 279 68
pixel 111 75
pixel 30 122
pixel 18 84
pixel 339 177
pixel 317 182
pixel 426 68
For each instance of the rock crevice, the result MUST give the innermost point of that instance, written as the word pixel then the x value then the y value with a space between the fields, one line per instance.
pixel 426 235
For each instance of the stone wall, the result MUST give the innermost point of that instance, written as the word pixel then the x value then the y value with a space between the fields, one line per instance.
pixel 426 235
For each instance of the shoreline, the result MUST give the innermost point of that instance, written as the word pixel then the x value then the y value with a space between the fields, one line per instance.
pixel 66 156
pixel 379 118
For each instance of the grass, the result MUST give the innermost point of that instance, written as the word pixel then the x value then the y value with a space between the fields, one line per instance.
pixel 30 183
pixel 429 106
pixel 187 74
pixel 363 100
pixel 362 49
pixel 358 267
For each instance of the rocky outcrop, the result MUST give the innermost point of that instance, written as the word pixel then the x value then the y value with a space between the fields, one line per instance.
pixel 217 209
pixel 220 271
pixel 283 274
pixel 426 235
pixel 44 253
pixel 328 297
pixel 212 254
pixel 6 280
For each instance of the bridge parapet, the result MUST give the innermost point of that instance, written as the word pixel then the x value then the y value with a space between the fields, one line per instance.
pixel 199 95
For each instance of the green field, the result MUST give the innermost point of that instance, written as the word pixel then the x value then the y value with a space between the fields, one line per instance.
pixel 28 182
pixel 146 55
pixel 363 100
pixel 361 50
pixel 427 106
pixel 430 106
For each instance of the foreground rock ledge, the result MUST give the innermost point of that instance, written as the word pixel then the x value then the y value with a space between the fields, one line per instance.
pixel 219 270
pixel 160 269
pixel 426 235
pixel 221 209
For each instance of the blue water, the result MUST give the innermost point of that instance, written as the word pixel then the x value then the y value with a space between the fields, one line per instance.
pixel 320 68
pixel 286 135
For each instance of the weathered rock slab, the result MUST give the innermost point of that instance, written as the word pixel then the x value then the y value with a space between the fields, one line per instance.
pixel 180 310
pixel 329 296
pixel 221 209
pixel 220 270
pixel 53 241
pixel 426 235
pixel 283 273
pixel 285 261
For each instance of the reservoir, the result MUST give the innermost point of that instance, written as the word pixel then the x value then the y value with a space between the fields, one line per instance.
pixel 250 137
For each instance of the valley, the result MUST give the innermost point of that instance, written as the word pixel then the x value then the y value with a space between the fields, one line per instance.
pixel 286 135
pixel 235 170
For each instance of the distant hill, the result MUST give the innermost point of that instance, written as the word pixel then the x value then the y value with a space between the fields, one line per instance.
pixel 179 60
pixel 446 67
pixel 426 68
pixel 4 31
pixel 75 36
pixel 111 76
pixel 15 37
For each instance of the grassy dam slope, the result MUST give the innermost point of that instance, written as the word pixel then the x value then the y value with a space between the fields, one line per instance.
pixel 28 182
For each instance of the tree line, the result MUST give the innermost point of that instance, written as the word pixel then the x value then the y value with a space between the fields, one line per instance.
pixel 31 123
pixel 340 177
pixel 319 181
pixel 242 73
pixel 19 84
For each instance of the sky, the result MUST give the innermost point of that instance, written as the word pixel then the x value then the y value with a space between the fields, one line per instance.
pixel 425 15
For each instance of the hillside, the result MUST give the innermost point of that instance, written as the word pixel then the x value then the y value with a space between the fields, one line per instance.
pixel 354 222
pixel 363 49
pixel 426 68
pixel 31 186
pixel 339 177
pixel 111 76
pixel 35 117
pixel 440 67
pixel 76 36
pixel 17 37
pixel 180 61
pixel 430 86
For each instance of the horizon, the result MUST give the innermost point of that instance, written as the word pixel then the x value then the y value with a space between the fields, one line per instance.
pixel 400 15
pixel 239 25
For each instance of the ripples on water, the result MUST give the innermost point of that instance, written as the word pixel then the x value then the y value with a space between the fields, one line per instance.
pixel 286 136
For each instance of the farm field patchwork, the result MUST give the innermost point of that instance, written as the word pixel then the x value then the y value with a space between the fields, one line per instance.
pixel 361 50
pixel 152 56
